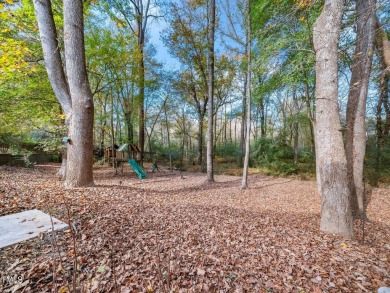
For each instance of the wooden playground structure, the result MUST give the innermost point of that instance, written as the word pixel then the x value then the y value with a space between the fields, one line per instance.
pixel 117 156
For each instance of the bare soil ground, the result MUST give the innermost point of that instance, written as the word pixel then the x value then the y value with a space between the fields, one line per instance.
pixel 175 233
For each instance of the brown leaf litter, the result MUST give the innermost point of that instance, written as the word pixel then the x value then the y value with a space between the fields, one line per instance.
pixel 173 232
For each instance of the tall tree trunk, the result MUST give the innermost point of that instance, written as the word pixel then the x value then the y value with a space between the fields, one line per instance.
pixel 296 140
pixel 130 130
pixel 225 127
pixel 141 110
pixel 53 64
pixel 51 54
pixel 312 125
pixel 235 131
pixel 244 183
pixel 263 132
pixel 216 133
pixel 380 124
pixel 210 125
pixel 80 150
pixel 356 106
pixel 113 133
pixel 336 214
pixel 242 129
pixel 75 94
pixel 310 116
pixel 295 127
pixel 230 123
pixel 200 140
pixel 103 124
pixel 168 135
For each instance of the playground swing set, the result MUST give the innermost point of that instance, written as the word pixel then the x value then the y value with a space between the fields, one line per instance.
pixel 130 153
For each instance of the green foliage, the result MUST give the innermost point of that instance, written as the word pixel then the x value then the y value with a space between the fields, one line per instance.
pixel 228 150
pixel 377 162
pixel 270 151
pixel 285 55
pixel 278 157
pixel 27 103
pixel 163 151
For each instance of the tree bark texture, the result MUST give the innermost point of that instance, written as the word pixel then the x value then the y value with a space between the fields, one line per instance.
pixel 80 150
pixel 384 52
pixel 141 101
pixel 295 127
pixel 200 140
pixel 129 123
pixel 244 183
pixel 382 125
pixel 384 44
pixel 356 106
pixel 53 64
pixel 51 54
pixel 242 129
pixel 168 135
pixel 336 214
pixel 210 124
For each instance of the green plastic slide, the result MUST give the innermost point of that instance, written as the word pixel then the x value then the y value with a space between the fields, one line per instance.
pixel 137 169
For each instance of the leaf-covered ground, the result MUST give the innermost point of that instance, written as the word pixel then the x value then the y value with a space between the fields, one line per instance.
pixel 175 233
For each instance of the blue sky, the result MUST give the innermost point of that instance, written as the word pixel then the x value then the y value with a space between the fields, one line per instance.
pixel 155 31
pixel 156 28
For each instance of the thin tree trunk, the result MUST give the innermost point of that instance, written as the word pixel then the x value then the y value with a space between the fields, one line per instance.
pixel 80 150
pixel 263 132
pixel 244 183
pixel 230 124
pixel 210 125
pixel 200 140
pixel 152 128
pixel 242 129
pixel 380 124
pixel 216 133
pixel 113 133
pixel 356 106
pixel 141 110
pixel 130 130
pixel 235 131
pixel 256 124
pixel 336 214
pixel 296 140
pixel 313 139
pixel 103 124
pixel 225 126
pixel 310 116
pixel 168 136
pixel 296 127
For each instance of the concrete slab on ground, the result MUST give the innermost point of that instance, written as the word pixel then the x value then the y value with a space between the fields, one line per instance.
pixel 22 226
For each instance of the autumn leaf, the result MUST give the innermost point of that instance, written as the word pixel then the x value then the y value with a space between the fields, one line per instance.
pixel 101 269
pixel 63 289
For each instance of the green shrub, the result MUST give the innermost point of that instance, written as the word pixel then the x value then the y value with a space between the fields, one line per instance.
pixel 227 150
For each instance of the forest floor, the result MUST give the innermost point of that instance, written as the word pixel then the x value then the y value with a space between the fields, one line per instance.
pixel 173 232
